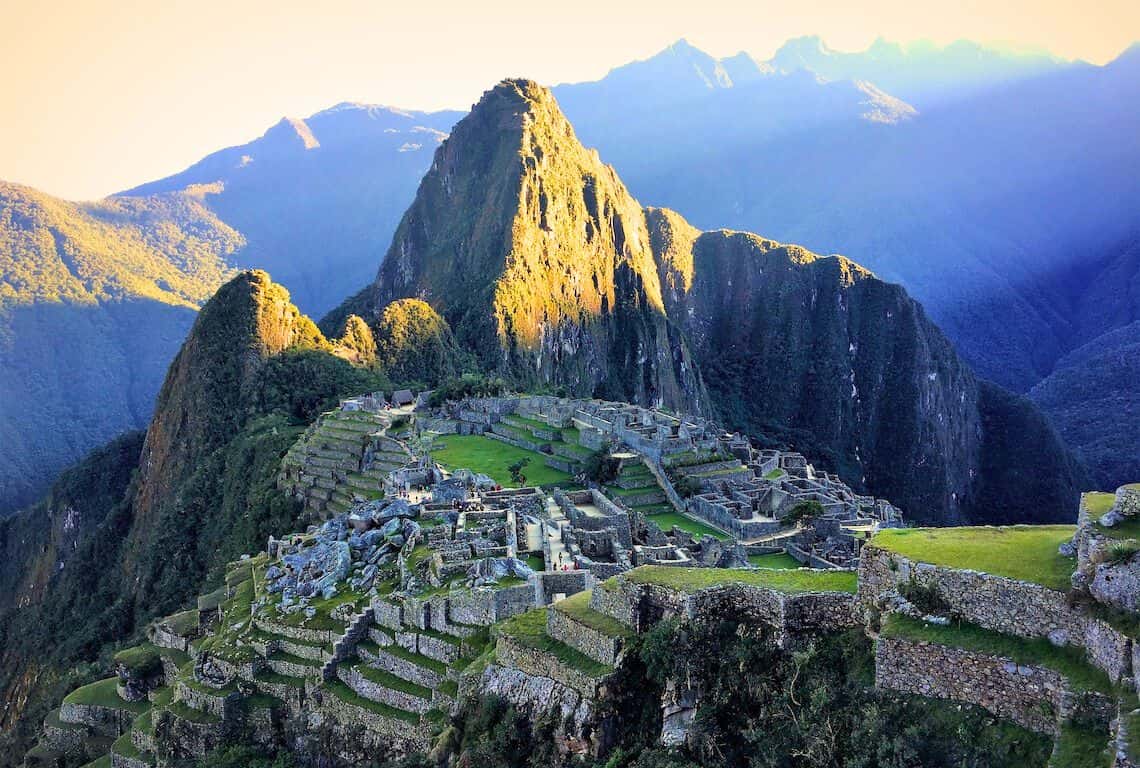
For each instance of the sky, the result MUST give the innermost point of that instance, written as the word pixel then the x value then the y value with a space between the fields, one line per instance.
pixel 100 96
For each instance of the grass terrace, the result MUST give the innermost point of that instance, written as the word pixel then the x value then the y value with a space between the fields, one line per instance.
pixel 777 560
pixel 1068 661
pixel 792 582
pixel 666 521
pixel 492 457
pixel 102 762
pixel 1023 552
pixel 529 629
pixel 1097 503
pixel 103 694
pixel 142 659
pixel 183 712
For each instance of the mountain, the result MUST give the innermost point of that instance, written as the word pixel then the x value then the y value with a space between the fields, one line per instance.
pixel 317 199
pixel 314 200
pixel 992 209
pixel 136 529
pixel 94 300
pixel 550 272
pixel 920 72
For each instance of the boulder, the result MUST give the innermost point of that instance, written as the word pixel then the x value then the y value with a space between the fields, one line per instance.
pixel 1117 584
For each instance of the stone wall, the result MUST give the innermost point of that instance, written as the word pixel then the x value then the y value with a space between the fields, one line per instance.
pixel 387 614
pixel 104 721
pixel 376 692
pixel 1029 696
pixel 539 695
pixel 321 636
pixel 400 667
pixel 1009 606
pixel 515 655
pixel 1036 698
pixel 398 736
pixel 639 606
pixel 597 645
pixel 186 738
pixel 563 582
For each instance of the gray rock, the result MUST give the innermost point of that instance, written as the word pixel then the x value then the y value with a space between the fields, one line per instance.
pixel 1117 584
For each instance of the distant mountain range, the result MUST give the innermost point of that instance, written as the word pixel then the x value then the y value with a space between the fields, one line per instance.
pixel 997 187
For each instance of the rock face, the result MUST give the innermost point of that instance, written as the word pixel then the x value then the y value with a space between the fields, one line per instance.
pixel 547 269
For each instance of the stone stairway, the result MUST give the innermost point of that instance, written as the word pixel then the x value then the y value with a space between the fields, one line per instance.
pixel 345 647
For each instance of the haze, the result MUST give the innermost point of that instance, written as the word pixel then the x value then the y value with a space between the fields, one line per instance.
pixel 99 96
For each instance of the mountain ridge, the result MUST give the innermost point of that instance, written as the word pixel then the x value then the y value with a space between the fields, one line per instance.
pixel 507 236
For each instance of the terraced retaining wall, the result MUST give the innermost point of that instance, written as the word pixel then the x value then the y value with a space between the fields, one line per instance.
pixel 1036 698
pixel 374 691
pixel 1009 606
pixel 103 720
pixel 597 645
pixel 639 606
pixel 385 735
pixel 511 653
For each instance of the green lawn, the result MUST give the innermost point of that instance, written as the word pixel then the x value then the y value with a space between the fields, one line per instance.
pixel 103 694
pixel 778 560
pixel 1069 661
pixel 535 562
pixel 578 608
pixel 492 457
pixel 788 581
pixel 666 521
pixel 529 629
pixel 1025 552
pixel 141 659
pixel 1098 503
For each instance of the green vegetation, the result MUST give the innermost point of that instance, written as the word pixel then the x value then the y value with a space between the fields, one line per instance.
pixel 666 521
pixel 778 560
pixel 1024 552
pixel 529 629
pixel 788 581
pixel 1069 661
pixel 103 694
pixel 1080 747
pixel 141 660
pixel 535 562
pixel 493 457
pixel 1097 503
pixel 414 344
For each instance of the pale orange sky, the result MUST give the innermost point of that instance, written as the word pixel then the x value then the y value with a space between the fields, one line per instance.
pixel 100 96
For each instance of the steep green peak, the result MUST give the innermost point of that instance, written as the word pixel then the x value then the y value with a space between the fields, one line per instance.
pixel 254 311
